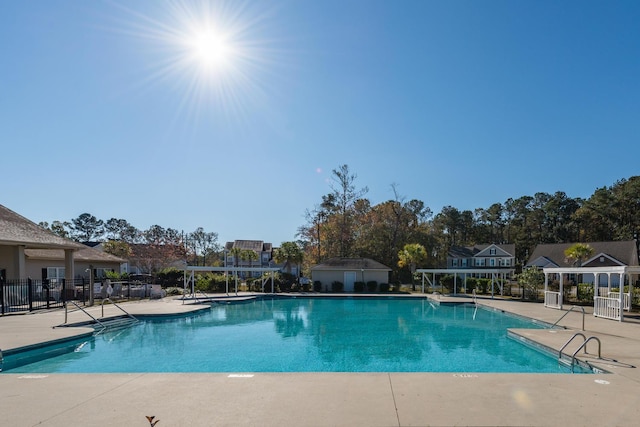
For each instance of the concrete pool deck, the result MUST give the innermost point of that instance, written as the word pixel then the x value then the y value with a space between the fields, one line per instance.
pixel 329 399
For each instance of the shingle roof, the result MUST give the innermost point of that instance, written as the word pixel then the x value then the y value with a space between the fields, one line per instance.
pixel 18 230
pixel 624 251
pixel 350 264
pixel 85 254
pixel 253 245
pixel 470 251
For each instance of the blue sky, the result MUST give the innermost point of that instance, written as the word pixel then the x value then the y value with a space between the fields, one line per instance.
pixel 110 107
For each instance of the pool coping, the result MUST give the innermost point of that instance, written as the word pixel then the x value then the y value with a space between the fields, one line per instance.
pixel 340 399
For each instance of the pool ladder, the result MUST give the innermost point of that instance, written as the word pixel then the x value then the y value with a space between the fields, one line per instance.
pixel 102 323
pixel 582 346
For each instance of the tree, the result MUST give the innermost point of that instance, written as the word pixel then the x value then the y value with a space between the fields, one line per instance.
pixel 530 279
pixel 87 228
pixel 289 253
pixel 203 244
pixel 345 196
pixel 412 255
pixel 117 248
pixel 578 253
pixel 58 228
pixel 120 229
pixel 159 249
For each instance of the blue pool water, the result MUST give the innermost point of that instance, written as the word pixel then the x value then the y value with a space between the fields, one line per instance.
pixel 306 335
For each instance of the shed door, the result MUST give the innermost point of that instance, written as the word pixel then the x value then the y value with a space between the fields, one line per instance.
pixel 349 280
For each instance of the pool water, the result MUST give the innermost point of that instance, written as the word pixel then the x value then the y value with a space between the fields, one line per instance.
pixel 305 335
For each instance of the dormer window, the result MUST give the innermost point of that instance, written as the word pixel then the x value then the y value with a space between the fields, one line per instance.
pixel 492 251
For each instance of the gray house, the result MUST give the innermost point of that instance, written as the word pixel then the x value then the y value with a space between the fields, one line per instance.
pixel 348 271
pixel 479 257
pixel 605 254
pixel 18 234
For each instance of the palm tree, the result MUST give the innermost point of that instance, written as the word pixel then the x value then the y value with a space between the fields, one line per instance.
pixel 578 253
pixel 248 255
pixel 411 256
pixel 289 253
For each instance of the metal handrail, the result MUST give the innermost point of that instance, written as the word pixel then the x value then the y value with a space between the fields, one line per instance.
pixel 571 339
pixel 569 311
pixel 66 311
pixel 584 344
pixel 475 297
pixel 121 309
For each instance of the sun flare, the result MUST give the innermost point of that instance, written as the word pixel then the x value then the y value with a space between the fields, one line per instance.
pixel 214 52
pixel 211 49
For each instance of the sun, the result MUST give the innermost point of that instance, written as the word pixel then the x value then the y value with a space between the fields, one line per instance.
pixel 211 49
pixel 211 52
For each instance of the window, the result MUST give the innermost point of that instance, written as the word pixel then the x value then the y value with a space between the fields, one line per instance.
pixel 454 262
pixel 55 274
pixel 492 251
pixel 464 262
pixel 492 262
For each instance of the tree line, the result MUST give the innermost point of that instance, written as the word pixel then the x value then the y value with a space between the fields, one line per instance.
pixel 346 224
pixel 153 248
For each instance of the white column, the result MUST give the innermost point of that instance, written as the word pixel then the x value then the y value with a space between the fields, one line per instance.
pixel 20 269
pixel 561 290
pixel 621 296
pixel 69 273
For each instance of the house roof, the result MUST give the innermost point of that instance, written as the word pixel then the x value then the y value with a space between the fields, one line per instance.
pixel 86 254
pixel 350 264
pixel 471 251
pixel 625 251
pixel 252 245
pixel 18 230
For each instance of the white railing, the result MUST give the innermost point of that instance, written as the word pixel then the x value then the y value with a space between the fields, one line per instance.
pixel 626 304
pixel 609 308
pixel 552 299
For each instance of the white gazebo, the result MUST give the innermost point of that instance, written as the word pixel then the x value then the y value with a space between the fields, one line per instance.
pixel 494 273
pixel 609 305
pixel 190 270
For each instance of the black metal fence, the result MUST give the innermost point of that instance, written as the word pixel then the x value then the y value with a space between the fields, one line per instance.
pixel 31 294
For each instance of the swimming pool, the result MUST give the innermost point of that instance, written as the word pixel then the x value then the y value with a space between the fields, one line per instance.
pixel 305 335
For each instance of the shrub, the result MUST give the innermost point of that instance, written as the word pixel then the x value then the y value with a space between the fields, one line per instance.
pixel 337 286
pixel 384 287
pixel 584 292
pixel 372 285
pixel 209 282
pixel 170 277
pixel 317 286
pixel 358 286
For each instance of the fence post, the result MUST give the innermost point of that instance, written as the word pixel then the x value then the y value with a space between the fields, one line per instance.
pixel 2 283
pixel 45 286
pixel 30 293
pixel 64 290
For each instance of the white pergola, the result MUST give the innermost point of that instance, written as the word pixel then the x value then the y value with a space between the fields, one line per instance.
pixel 190 271
pixel 495 274
pixel 611 305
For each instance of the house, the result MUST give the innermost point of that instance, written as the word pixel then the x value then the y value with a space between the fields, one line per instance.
pixel 48 264
pixel 18 235
pixel 263 251
pixel 348 271
pixel 605 254
pixel 487 256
